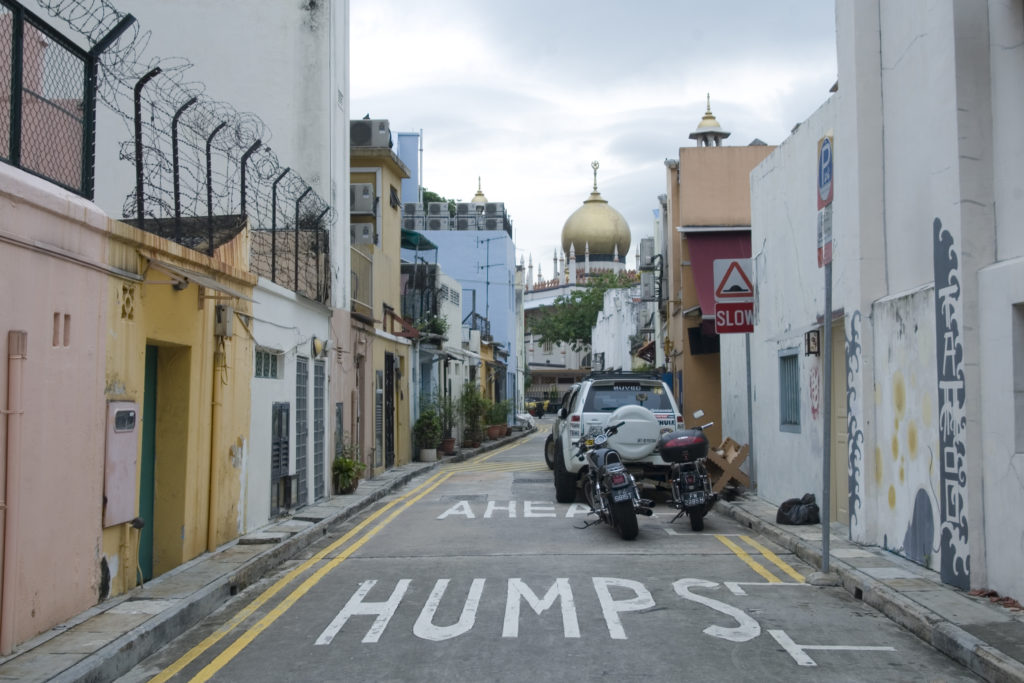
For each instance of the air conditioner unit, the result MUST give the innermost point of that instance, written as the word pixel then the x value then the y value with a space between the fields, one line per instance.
pixel 412 209
pixel 363 233
pixel 467 223
pixel 438 223
pixel 437 209
pixel 463 209
pixel 361 198
pixel 370 133
pixel 492 224
pixel 409 223
pixel 646 252
pixel 494 207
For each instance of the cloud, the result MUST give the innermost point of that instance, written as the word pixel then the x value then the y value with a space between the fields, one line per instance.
pixel 526 94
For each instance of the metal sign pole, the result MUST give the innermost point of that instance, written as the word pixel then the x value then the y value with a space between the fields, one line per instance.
pixel 826 476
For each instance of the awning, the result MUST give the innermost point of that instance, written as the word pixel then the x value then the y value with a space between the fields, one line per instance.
pixel 198 278
pixel 705 248
pixel 646 351
pixel 416 241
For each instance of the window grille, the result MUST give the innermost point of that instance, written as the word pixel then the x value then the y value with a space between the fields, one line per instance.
pixel 789 390
pixel 267 364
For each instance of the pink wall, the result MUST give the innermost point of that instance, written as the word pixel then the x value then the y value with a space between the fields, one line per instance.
pixel 52 246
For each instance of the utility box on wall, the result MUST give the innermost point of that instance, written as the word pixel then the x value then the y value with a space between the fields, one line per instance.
pixel 120 463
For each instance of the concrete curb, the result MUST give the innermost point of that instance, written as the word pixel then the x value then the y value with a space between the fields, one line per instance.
pixel 120 655
pixel 943 635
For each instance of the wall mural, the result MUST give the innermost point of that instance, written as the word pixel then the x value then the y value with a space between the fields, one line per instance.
pixel 854 434
pixel 906 465
pixel 949 353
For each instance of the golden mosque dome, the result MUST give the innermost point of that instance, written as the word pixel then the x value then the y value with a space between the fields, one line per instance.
pixel 479 197
pixel 598 225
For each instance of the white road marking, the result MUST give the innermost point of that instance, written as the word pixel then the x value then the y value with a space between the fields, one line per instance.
pixel 799 654
pixel 425 627
pixel 734 586
pixel 611 607
pixel 355 605
pixel 748 628
pixel 519 591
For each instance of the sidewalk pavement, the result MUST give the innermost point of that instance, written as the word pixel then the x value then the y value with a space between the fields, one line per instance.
pixel 109 639
pixel 986 638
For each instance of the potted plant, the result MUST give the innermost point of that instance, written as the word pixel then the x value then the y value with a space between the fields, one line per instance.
pixel 447 414
pixel 346 469
pixel 472 406
pixel 497 419
pixel 427 431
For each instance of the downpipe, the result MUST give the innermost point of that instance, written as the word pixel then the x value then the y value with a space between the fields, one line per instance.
pixel 17 355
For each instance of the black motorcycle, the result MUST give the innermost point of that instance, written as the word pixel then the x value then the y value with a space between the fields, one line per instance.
pixel 687 450
pixel 609 488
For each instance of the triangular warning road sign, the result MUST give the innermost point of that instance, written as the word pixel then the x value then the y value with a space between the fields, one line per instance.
pixel 734 284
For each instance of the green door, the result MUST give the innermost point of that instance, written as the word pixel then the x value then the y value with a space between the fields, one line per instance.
pixel 147 479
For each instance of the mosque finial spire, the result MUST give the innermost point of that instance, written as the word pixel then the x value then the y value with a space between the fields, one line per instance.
pixel 594 165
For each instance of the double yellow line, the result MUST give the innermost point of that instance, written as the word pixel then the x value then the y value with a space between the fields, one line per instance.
pixel 396 507
pixel 765 553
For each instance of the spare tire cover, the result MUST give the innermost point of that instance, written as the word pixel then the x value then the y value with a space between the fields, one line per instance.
pixel 635 440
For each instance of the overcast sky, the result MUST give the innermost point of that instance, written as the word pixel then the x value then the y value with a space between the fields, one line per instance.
pixel 527 93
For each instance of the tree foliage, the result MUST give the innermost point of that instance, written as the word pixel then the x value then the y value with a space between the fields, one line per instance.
pixel 570 320
pixel 430 196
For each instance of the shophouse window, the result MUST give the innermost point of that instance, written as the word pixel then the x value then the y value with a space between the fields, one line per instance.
pixel 267 364
pixel 789 390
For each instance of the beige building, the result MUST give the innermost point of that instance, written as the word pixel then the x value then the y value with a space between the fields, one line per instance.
pixel 380 336
pixel 707 217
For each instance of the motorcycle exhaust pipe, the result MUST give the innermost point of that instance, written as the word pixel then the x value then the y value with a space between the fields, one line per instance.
pixel 646 512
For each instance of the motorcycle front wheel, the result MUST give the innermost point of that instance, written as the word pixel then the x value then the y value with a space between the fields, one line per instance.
pixel 624 517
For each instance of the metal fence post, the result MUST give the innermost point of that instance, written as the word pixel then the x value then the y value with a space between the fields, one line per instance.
pixel 297 202
pixel 273 225
pixel 245 160
pixel 175 169
pixel 140 202
pixel 209 186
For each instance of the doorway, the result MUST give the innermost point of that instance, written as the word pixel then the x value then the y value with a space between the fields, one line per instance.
pixel 839 486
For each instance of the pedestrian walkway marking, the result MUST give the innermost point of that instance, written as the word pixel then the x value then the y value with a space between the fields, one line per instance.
pixel 754 564
pixel 799 654
pixel 409 498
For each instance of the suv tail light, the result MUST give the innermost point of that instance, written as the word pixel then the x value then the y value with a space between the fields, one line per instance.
pixel 679 419
pixel 574 418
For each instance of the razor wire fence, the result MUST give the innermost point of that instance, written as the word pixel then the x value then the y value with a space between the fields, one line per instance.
pixel 201 167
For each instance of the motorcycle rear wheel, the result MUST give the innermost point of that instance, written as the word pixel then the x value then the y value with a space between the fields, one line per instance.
pixel 624 518
pixel 697 520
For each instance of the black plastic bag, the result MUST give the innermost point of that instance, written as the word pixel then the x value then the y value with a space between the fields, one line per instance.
pixel 798 511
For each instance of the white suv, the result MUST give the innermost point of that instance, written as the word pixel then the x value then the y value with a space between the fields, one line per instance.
pixel 597 397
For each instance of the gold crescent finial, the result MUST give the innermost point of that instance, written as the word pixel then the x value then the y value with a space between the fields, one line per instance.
pixel 594 165
pixel 709 103
pixel 478 185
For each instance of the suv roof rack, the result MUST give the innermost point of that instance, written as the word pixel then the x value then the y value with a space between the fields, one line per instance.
pixel 622 374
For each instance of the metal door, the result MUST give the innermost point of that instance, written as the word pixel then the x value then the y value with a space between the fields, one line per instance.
pixel 147 465
pixel 839 489
pixel 302 427
pixel 279 424
pixel 389 410
pixel 319 436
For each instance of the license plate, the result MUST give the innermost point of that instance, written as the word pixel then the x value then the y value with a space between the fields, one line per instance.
pixel 619 495
pixel 694 498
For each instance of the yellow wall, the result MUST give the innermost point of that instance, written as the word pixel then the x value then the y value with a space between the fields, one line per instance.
pixel 203 397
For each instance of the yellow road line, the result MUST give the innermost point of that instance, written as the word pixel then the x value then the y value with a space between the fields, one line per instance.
pixel 751 562
pixel 246 638
pixel 775 559
pixel 249 609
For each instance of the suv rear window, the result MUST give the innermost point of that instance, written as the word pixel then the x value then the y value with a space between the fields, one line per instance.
pixel 605 398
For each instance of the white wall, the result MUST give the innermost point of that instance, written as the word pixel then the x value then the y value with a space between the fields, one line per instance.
pixel 285 323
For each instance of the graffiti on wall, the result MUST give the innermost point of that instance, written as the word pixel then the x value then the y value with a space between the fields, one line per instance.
pixel 854 433
pixel 949 353
pixel 814 389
